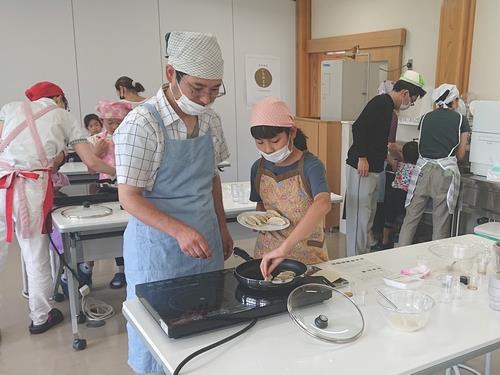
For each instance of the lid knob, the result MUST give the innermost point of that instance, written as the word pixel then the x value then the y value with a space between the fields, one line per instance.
pixel 321 321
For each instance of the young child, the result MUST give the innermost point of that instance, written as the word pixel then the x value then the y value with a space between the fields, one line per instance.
pixel 92 123
pixel 396 195
pixel 112 114
pixel 290 181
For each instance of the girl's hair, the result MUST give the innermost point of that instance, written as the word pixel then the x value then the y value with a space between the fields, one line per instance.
pixel 410 152
pixel 268 132
pixel 129 84
pixel 90 117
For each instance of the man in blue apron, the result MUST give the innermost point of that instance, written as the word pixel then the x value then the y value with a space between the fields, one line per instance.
pixel 443 137
pixel 167 150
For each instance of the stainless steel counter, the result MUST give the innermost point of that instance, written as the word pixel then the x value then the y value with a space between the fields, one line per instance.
pixel 479 202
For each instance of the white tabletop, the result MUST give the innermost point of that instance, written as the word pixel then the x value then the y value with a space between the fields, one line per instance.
pixel 118 219
pixel 275 345
pixel 74 168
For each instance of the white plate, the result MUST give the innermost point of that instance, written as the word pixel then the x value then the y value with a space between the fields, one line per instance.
pixel 261 228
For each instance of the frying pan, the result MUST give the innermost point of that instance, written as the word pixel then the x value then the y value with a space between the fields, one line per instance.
pixel 248 274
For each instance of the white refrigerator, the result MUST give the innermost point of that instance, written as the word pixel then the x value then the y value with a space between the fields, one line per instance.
pixel 485 138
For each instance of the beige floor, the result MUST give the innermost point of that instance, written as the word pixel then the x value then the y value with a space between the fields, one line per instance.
pixel 51 353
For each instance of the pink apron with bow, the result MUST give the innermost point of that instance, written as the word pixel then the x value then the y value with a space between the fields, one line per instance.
pixel 15 178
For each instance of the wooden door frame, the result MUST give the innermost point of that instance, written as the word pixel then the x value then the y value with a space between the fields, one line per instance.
pixel 453 58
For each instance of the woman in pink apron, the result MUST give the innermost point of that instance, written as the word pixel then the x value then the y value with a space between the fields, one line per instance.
pixel 34 133
pixel 112 114
pixel 291 181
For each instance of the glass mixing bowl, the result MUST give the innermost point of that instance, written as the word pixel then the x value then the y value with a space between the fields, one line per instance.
pixel 410 309
pixel 457 256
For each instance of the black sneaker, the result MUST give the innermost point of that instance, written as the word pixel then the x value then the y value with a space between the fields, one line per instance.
pixel 55 317
pixel 118 281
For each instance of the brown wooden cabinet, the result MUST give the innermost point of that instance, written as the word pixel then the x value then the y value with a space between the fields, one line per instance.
pixel 324 141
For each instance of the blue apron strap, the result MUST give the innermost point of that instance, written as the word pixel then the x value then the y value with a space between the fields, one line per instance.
pixel 154 112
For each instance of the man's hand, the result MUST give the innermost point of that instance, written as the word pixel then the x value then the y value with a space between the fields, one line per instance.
pixel 192 243
pixel 227 242
pixel 363 167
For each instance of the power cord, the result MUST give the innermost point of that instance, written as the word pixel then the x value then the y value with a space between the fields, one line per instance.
pixel 94 309
pixel 214 345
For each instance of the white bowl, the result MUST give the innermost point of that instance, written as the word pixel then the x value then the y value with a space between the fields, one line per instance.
pixel 413 309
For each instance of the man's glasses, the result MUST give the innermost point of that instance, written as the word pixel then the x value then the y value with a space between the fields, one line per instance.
pixel 212 93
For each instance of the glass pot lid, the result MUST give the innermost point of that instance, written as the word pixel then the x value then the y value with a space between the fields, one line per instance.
pixel 335 319
pixel 87 211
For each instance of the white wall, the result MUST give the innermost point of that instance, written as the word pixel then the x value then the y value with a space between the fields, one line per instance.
pixel 484 79
pixel 37 44
pixel 111 44
pixel 419 18
pixel 85 45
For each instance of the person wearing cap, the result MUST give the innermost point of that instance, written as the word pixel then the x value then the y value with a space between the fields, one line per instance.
pixel 443 139
pixel 167 150
pixel 291 181
pixel 367 154
pixel 34 135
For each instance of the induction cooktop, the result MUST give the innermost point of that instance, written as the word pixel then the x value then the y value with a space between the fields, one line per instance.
pixel 197 303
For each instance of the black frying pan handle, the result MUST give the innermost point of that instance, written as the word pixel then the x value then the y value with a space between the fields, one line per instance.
pixel 242 253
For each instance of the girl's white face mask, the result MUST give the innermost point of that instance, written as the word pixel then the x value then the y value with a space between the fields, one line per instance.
pixel 279 155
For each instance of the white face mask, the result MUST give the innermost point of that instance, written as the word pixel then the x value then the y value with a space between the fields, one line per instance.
pixel 461 107
pixel 404 106
pixel 186 105
pixel 280 155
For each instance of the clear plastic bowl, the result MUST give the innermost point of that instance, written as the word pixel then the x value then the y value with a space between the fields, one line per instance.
pixel 413 309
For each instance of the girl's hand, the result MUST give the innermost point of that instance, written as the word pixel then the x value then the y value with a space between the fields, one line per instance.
pixel 272 260
pixel 100 147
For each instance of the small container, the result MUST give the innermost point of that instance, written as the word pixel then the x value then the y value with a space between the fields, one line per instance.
pixel 473 282
pixel 482 261
pixel 237 193
pixel 496 252
pixel 447 288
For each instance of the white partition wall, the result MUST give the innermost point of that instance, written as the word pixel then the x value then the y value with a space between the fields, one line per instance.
pixel 36 38
pixel 116 38
pixel 85 45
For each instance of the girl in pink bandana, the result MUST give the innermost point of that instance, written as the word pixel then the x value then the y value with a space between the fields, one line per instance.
pixel 112 114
